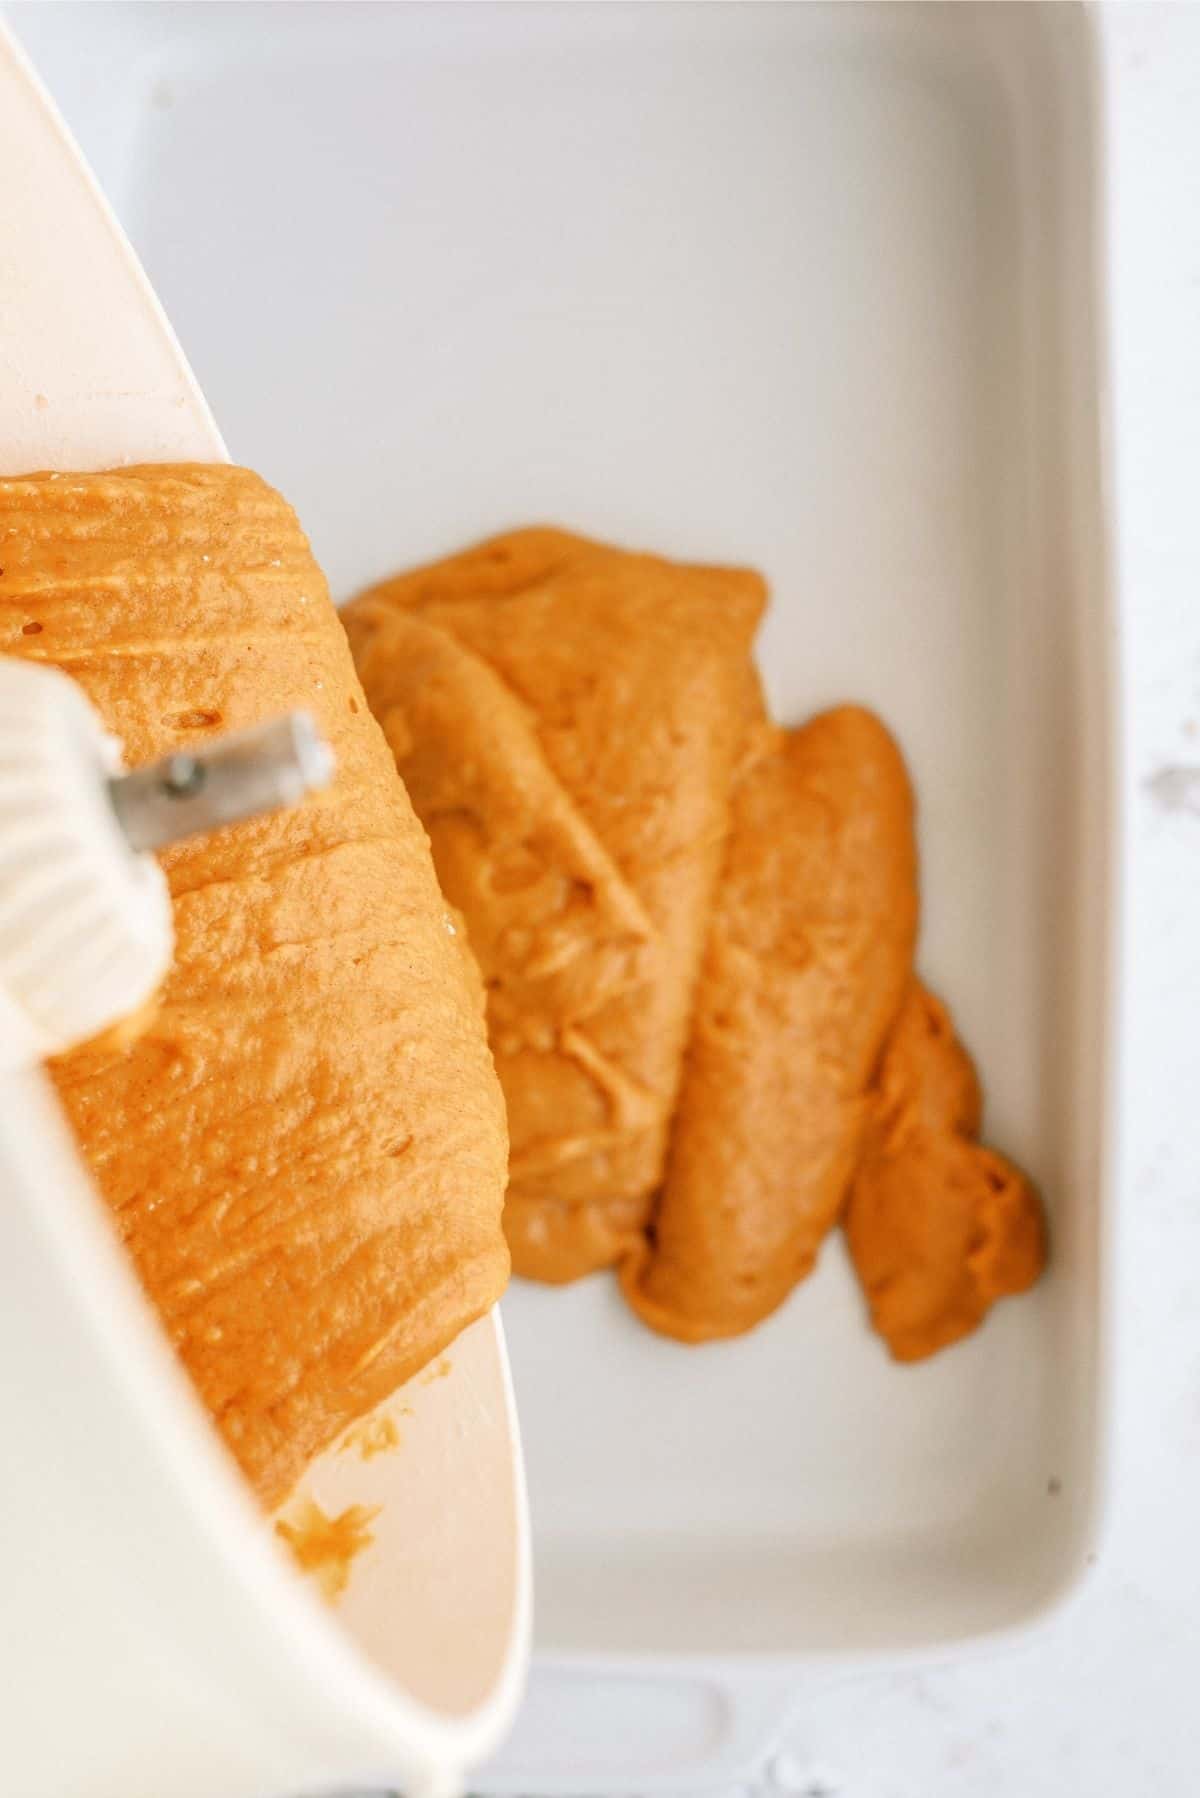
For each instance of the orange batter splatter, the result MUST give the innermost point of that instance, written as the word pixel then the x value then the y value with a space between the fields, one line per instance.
pixel 373 1436
pixel 325 1546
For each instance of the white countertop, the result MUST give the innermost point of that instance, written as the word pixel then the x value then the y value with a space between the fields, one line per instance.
pixel 1103 1703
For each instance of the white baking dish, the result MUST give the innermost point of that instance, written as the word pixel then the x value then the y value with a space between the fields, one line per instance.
pixel 818 289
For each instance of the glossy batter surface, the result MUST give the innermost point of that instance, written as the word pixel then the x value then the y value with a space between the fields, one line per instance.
pixel 304 1151
pixel 567 717
pixel 939 1228
pixel 806 964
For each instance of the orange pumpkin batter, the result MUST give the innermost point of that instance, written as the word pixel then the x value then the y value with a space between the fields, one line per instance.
pixel 567 718
pixel 807 960
pixel 938 1227
pixel 304 1151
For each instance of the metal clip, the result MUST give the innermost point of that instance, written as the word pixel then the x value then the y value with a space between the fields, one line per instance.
pixel 241 775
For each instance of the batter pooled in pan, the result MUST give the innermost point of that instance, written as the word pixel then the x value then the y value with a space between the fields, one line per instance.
pixel 938 1227
pixel 696 934
pixel 304 1150
pixel 808 955
pixel 567 718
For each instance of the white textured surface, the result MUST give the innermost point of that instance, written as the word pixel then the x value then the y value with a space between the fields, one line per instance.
pixel 1104 1704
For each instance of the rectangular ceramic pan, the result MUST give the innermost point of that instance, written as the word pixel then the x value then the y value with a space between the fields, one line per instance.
pixel 815 290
